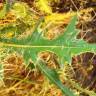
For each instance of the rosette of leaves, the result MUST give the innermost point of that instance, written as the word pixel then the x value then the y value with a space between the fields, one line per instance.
pixel 65 46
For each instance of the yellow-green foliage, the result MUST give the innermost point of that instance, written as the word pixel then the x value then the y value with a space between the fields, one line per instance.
pixel 20 10
pixel 43 5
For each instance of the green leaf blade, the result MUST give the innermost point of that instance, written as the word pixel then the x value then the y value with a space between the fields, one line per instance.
pixel 53 77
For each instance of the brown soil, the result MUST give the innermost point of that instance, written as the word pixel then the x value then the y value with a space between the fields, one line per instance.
pixel 67 5
pixel 84 66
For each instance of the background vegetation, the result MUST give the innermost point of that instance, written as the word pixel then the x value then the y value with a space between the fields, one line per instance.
pixel 47 48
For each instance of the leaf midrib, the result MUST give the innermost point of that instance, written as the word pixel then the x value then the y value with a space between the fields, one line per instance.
pixel 37 46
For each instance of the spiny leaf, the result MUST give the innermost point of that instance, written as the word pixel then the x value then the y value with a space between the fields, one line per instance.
pixel 36 38
pixel 64 46
pixel 53 77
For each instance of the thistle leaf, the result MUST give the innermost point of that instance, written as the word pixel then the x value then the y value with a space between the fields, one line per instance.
pixel 64 46
pixel 53 77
